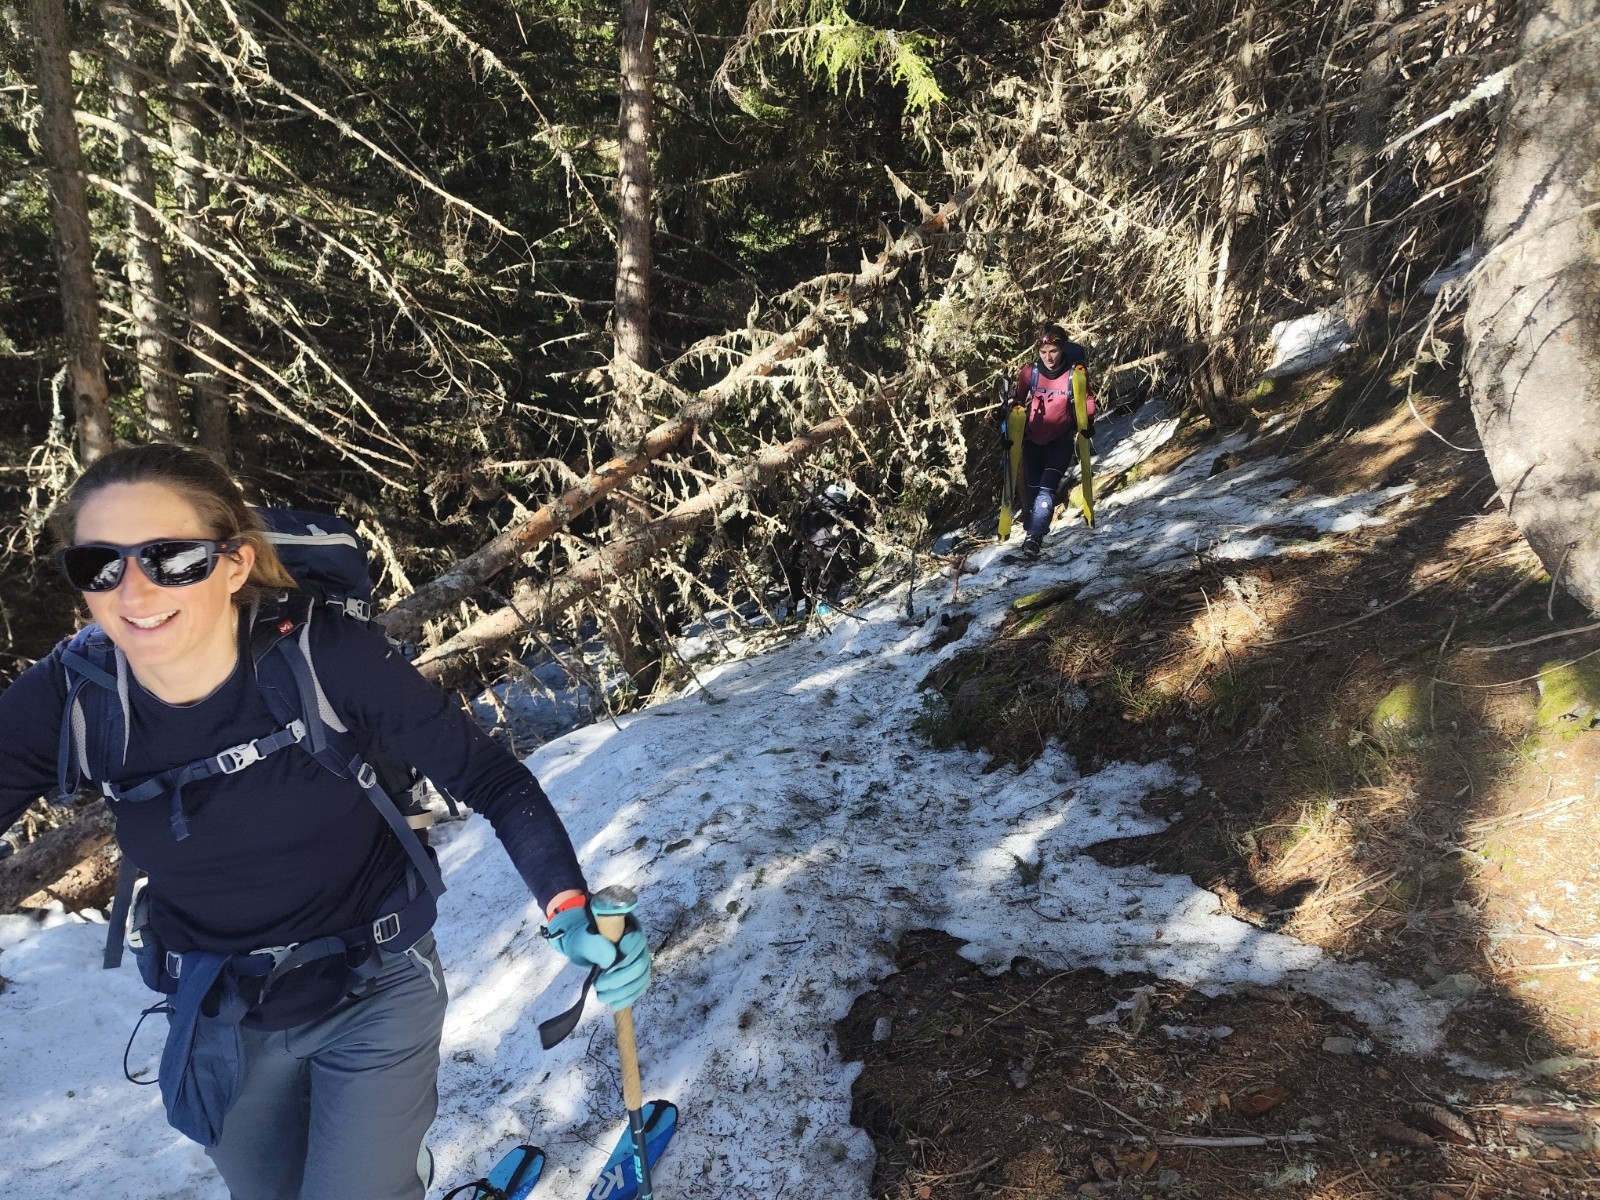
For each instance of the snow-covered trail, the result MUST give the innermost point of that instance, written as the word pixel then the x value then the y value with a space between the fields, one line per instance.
pixel 784 827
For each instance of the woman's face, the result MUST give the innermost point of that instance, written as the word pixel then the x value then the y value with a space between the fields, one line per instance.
pixel 161 627
pixel 1050 355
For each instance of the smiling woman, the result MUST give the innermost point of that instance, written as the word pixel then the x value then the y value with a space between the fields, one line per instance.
pixel 288 908
pixel 172 512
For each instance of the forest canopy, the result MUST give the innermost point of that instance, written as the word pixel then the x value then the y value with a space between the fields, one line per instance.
pixel 369 252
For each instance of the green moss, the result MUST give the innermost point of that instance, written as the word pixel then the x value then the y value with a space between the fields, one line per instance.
pixel 1045 598
pixel 1402 713
pixel 1569 695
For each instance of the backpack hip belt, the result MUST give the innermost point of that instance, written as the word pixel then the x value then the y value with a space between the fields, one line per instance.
pixel 398 928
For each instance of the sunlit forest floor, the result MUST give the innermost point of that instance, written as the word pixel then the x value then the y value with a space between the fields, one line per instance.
pixel 1368 783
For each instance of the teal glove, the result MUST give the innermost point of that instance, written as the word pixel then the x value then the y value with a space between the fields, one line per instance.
pixel 624 967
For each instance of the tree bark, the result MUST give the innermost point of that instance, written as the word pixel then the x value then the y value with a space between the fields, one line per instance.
pixel 1361 270
pixel 630 314
pixel 202 284
pixel 635 210
pixel 54 853
pixel 1533 311
pixel 143 263
pixel 538 604
pixel 69 213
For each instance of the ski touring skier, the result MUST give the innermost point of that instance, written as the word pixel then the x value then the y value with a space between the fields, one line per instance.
pixel 824 545
pixel 229 718
pixel 1043 390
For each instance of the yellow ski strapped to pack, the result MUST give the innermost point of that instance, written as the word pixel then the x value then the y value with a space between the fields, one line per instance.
pixel 1084 492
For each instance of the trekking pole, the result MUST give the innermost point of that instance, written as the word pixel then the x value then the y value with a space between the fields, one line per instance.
pixel 611 907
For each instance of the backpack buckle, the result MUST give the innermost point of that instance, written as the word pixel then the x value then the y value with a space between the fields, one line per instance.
pixel 237 758
pixel 386 928
pixel 278 953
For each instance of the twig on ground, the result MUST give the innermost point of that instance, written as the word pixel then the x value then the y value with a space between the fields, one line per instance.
pixel 1020 1003
pixel 1571 662
pixel 972 1170
pixel 1101 1100
pixel 1544 637
pixel 1412 594
pixel 1515 590
pixel 1555 578
pixel 1227 1142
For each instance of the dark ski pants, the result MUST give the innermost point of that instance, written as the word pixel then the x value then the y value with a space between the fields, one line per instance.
pixel 1044 466
pixel 336 1109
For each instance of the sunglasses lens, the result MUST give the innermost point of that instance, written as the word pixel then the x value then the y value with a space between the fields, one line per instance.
pixel 92 568
pixel 176 564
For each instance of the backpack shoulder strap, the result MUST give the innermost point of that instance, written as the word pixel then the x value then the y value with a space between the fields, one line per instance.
pixel 1024 381
pixel 94 722
pixel 287 675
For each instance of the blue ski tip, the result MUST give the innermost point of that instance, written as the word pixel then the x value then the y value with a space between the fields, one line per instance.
pixel 512 1177
pixel 619 1179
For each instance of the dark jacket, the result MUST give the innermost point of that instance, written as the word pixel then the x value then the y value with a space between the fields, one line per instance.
pixel 285 851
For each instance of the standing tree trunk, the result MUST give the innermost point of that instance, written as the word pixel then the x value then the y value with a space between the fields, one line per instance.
pixel 147 273
pixel 1217 296
pixel 1360 269
pixel 1533 310
pixel 69 213
pixel 630 319
pixel 202 283
pixel 635 214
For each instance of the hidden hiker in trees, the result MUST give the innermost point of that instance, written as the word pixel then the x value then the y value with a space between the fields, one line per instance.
pixel 1043 389
pixel 825 545
pixel 234 720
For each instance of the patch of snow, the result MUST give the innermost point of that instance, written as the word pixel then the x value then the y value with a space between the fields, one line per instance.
pixel 775 883
pixel 1301 343
pixel 1457 271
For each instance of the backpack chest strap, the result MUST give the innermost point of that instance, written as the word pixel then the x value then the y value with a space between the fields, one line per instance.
pixel 227 762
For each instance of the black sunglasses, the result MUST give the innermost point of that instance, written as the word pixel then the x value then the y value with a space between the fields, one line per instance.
pixel 166 562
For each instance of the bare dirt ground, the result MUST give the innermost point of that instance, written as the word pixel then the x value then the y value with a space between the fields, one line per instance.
pixel 1372 783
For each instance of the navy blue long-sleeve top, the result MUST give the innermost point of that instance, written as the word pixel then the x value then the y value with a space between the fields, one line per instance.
pixel 285 850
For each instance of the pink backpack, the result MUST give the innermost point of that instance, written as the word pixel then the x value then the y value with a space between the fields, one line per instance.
pixel 1049 403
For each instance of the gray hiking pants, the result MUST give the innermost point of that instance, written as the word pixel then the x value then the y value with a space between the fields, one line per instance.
pixel 336 1109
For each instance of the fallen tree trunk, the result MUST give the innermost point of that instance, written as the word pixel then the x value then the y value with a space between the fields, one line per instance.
pixel 53 853
pixel 405 619
pixel 537 604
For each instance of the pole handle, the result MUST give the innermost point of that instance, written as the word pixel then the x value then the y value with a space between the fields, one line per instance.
pixel 611 907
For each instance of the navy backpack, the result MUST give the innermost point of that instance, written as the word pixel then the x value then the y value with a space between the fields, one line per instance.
pixel 329 562
pixel 202 1065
